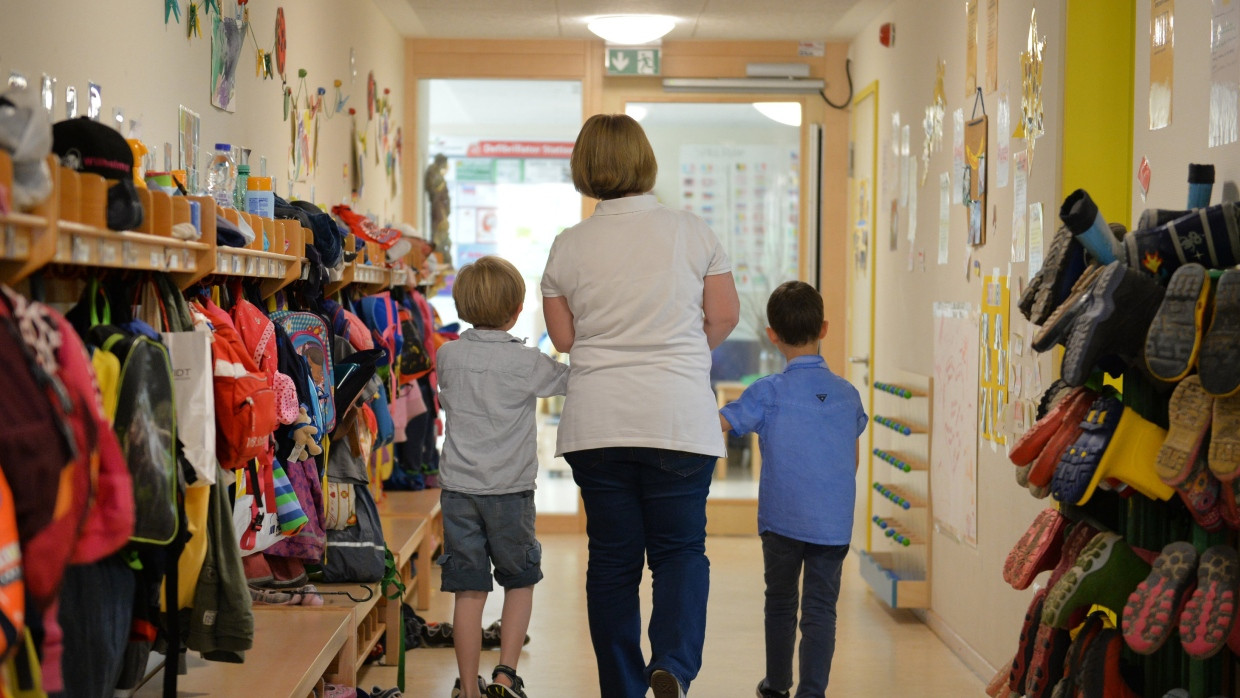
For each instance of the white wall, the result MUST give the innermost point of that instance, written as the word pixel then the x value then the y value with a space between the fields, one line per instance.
pixel 148 70
pixel 970 601
pixel 1171 149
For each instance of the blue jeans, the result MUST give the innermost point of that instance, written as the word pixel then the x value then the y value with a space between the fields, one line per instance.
pixel 784 559
pixel 645 503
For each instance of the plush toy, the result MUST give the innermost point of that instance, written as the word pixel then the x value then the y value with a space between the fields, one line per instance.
pixel 303 436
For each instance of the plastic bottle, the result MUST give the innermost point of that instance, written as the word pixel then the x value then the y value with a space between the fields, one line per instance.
pixel 220 175
pixel 239 191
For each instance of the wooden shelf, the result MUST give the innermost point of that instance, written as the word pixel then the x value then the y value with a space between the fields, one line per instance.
pixel 890 587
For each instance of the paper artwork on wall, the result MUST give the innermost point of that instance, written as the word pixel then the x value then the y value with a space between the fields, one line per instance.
pixel 1030 126
pixel 970 47
pixel 1020 189
pixel 992 45
pixel 932 124
pixel 1162 62
pixel 957 155
pixel 226 36
pixel 945 214
pixel 861 228
pixel 1004 146
pixel 906 181
pixel 994 357
pixel 1224 73
pixel 187 146
pixel 975 178
pixel 953 471
pixel 1035 237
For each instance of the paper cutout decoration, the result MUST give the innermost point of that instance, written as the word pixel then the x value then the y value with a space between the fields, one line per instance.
pixel 1224 73
pixel 281 42
pixel 1162 62
pixel 370 96
pixel 1029 126
pixel 970 47
pixel 975 175
pixel 226 37
pixel 932 124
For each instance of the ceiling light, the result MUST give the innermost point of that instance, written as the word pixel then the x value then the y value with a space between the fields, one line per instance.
pixel 637 111
pixel 786 113
pixel 631 30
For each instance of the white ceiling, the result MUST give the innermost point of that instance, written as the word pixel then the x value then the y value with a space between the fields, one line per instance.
pixel 806 20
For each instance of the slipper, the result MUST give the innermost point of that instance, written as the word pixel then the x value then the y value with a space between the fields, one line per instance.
pixel 1219 360
pixel 1031 443
pixel 1105 573
pixel 1050 647
pixel 1152 610
pixel 1203 494
pixel 1024 651
pixel 1174 338
pixel 1076 468
pixel 1069 431
pixel 1191 411
pixel 1206 622
pixel 1224 452
pixel 1129 458
pixel 1037 550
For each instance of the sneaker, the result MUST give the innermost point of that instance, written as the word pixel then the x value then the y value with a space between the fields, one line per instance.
pixel 765 691
pixel 456 687
pixel 1153 608
pixel 1106 572
pixel 1037 550
pixel 491 637
pixel 1219 360
pixel 437 635
pixel 1224 453
pixel 1190 412
pixel 665 685
pixel 499 690
pixel 1206 622
pixel 1174 338
pixel 1076 469
pixel 1100 330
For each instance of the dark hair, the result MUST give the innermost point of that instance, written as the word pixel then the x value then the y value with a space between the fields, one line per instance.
pixel 794 311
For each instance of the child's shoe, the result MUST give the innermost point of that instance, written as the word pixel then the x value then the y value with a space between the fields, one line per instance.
pixel 456 688
pixel 765 691
pixel 665 685
pixel 499 690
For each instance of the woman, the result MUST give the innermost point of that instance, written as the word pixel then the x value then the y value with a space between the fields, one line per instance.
pixel 639 294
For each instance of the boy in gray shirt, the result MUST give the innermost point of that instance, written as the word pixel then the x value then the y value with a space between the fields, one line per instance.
pixel 488 382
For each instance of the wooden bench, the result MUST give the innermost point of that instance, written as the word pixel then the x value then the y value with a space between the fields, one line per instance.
pixel 293 653
pixel 412 523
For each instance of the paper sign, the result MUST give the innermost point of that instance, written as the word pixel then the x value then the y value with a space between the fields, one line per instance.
pixel 1035 238
pixel 1162 62
pixel 957 154
pixel 1020 192
pixel 992 45
pixel 1004 134
pixel 970 47
pixel 945 214
pixel 912 203
pixel 1224 73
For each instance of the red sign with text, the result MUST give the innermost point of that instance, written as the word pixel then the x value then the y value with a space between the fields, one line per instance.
pixel 520 149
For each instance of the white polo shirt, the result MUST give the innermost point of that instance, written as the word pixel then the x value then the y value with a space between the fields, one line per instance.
pixel 632 274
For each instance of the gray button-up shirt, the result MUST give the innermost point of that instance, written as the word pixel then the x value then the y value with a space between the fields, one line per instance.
pixel 488 382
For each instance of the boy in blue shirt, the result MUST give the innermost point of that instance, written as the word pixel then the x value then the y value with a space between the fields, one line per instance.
pixel 808 420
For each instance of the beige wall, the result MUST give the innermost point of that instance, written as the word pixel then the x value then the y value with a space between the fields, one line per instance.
pixel 971 605
pixel 1171 149
pixel 583 60
pixel 148 70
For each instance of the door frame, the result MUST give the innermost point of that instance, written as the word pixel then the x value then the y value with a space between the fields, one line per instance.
pixel 870 91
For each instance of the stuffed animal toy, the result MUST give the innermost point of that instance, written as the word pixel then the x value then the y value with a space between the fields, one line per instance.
pixel 303 436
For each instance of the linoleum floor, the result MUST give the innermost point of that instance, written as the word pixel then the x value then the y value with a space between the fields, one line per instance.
pixel 879 652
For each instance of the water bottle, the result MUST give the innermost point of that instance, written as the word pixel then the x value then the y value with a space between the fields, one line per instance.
pixel 220 175
pixel 239 190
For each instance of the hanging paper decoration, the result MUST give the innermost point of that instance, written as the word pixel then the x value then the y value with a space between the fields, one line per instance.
pixel 357 180
pixel 1029 126
pixel 341 98
pixel 370 96
pixel 281 42
pixel 172 8
pixel 192 22
pixel 226 37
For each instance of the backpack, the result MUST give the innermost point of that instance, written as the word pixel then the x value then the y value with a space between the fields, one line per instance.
pixel 415 361
pixel 12 589
pixel 312 340
pixel 379 313
pixel 245 404
pixel 357 553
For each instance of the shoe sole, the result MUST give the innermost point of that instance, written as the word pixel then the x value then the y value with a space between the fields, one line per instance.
pixel 1060 321
pixel 1050 647
pixel 1206 622
pixel 1219 359
pixel 1024 649
pixel 1190 412
pixel 1150 614
pixel 1224 453
pixel 1031 443
pixel 1201 492
pixel 1041 543
pixel 1080 461
pixel 1082 345
pixel 1062 600
pixel 1053 268
pixel 664 685
pixel 1174 339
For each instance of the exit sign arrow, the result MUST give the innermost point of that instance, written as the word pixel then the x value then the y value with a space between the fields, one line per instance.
pixel 633 61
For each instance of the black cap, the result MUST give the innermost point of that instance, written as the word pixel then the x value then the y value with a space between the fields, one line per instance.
pixel 89 146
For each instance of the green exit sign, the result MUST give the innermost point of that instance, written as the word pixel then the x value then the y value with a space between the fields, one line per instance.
pixel 633 61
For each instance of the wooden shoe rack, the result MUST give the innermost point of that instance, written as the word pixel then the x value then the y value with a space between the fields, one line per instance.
pixel 896 559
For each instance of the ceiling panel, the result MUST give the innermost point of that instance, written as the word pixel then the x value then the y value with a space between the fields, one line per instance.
pixel 811 20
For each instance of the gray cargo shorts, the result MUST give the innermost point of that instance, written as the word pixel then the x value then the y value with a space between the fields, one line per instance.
pixel 484 529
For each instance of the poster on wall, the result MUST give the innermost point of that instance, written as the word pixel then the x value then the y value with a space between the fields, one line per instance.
pixel 1004 145
pixel 993 356
pixel 953 471
pixel 975 178
pixel 992 45
pixel 1224 73
pixel 957 155
pixel 1030 125
pixel 1162 62
pixel 226 36
pixel 970 47
pixel 1020 193
pixel 945 214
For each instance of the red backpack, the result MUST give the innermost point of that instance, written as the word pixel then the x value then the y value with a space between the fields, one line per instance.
pixel 245 404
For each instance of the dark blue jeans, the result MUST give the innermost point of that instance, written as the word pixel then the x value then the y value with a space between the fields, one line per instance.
pixel 784 560
pixel 645 504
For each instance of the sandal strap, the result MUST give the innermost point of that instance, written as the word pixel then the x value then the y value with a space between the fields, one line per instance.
pixel 508 671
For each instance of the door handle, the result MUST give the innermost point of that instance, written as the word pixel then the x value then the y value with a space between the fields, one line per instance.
pixel 859 360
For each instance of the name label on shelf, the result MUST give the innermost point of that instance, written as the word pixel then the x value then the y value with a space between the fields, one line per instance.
pixel 81 250
pixel 107 253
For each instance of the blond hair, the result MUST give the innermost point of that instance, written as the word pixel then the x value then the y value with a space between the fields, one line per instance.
pixel 612 157
pixel 488 292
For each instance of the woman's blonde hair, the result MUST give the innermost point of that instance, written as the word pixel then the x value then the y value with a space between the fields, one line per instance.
pixel 488 292
pixel 612 157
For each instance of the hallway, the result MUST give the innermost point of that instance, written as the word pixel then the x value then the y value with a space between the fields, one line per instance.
pixel 878 652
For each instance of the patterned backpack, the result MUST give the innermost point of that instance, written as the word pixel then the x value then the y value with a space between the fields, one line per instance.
pixel 312 340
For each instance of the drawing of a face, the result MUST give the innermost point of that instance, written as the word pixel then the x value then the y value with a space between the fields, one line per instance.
pixel 318 371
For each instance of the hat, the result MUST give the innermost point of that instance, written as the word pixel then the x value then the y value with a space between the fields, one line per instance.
pixel 26 132
pixel 352 374
pixel 89 146
pixel 365 228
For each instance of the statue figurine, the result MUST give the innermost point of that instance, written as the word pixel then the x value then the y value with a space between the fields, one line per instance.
pixel 441 204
